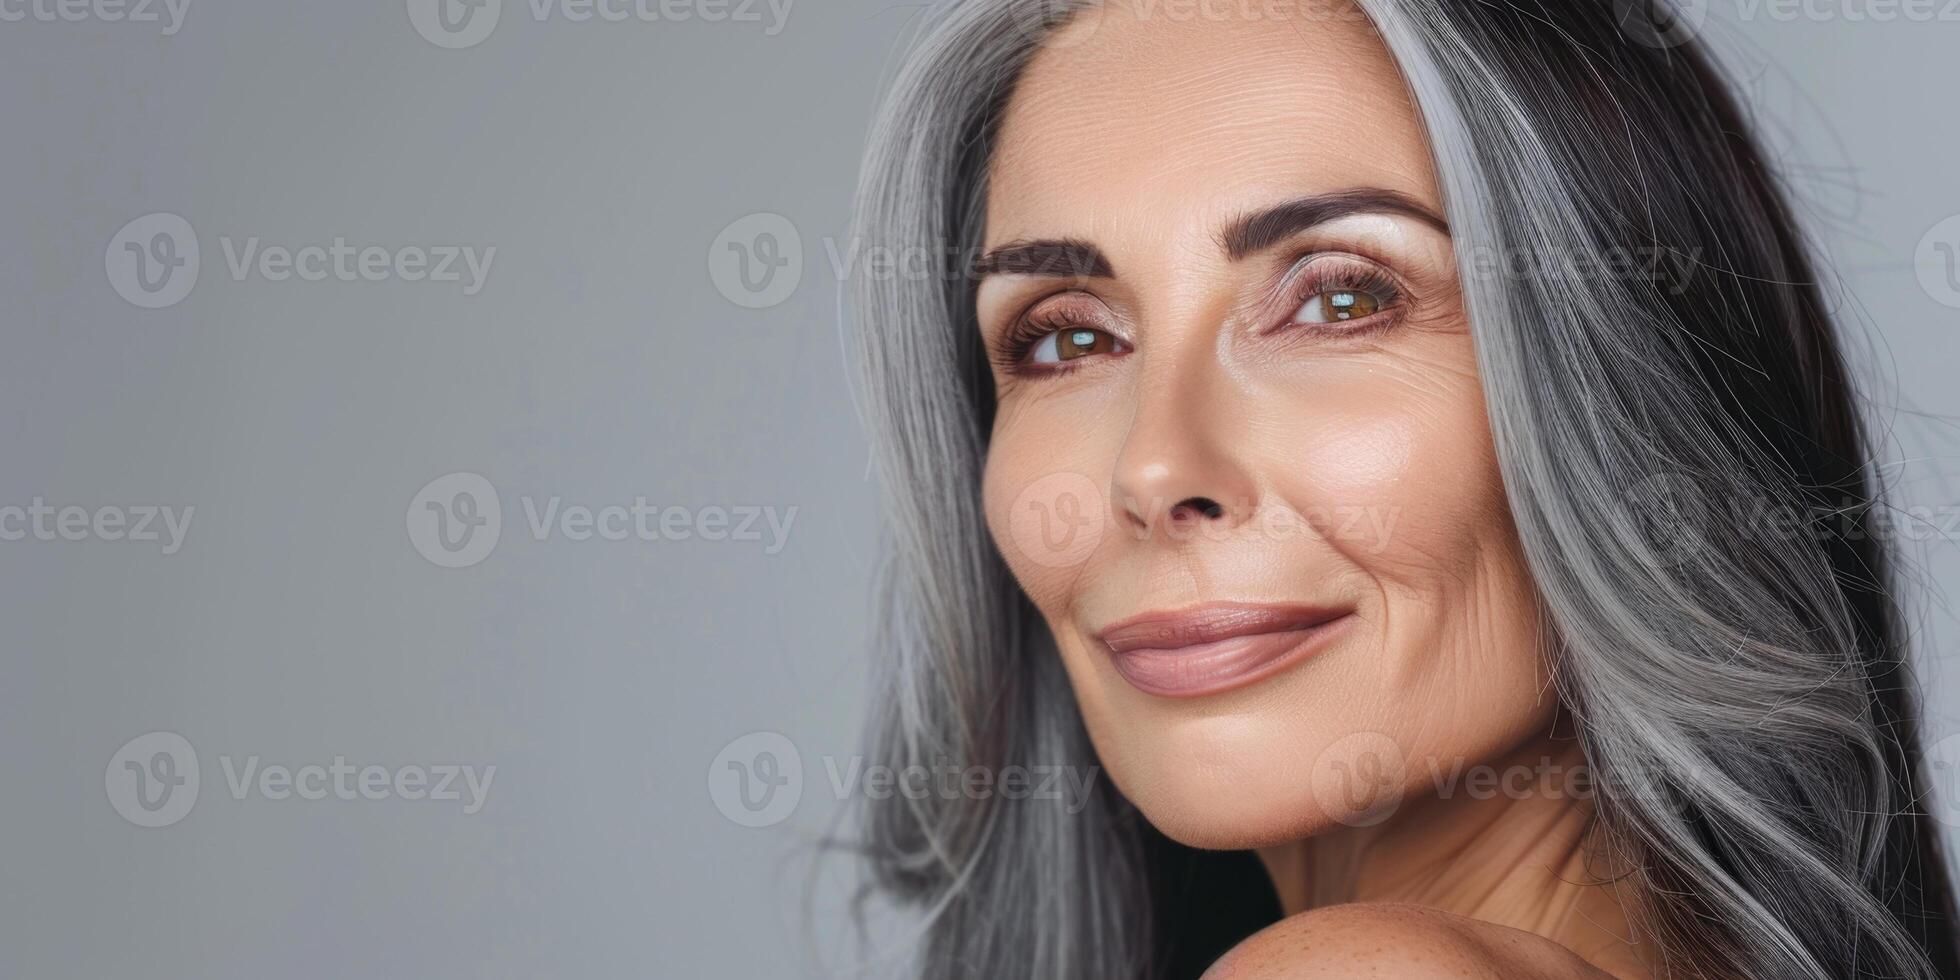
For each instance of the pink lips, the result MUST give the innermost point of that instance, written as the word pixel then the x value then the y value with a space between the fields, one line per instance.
pixel 1216 647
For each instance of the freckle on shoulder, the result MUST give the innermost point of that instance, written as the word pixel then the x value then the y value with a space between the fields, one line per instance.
pixel 1396 942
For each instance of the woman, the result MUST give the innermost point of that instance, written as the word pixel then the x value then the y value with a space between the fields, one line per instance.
pixel 1402 442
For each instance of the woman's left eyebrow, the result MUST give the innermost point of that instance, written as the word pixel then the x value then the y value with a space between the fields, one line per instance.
pixel 1060 257
pixel 1269 226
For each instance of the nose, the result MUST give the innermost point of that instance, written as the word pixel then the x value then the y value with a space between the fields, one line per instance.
pixel 1180 464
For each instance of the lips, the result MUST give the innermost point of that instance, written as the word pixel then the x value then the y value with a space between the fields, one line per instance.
pixel 1217 647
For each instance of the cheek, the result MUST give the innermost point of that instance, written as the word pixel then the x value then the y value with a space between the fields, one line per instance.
pixel 1461 668
pixel 1397 470
pixel 1046 511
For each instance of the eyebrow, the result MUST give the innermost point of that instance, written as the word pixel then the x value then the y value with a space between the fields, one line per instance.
pixel 1076 259
pixel 1063 257
pixel 1270 226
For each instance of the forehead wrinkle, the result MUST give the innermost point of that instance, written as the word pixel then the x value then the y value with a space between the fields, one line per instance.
pixel 1201 63
pixel 1077 118
pixel 1188 115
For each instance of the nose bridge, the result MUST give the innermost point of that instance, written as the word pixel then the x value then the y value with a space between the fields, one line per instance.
pixel 1178 459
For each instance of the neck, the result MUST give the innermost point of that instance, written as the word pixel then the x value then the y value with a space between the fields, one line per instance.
pixel 1505 843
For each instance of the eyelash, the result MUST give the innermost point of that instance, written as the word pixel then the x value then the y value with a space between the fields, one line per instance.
pixel 1029 331
pixel 1326 273
pixel 1315 278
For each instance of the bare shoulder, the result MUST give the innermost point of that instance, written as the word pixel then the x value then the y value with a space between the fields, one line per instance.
pixel 1403 942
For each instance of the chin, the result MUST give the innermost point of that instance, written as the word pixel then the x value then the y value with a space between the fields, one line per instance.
pixel 1248 772
pixel 1223 814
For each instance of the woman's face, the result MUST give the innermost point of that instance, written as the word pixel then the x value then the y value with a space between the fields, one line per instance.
pixel 1241 463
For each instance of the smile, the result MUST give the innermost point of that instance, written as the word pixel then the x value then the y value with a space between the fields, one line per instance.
pixel 1217 647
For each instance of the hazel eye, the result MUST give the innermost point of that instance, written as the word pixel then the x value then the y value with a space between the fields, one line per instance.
pixel 1336 305
pixel 1073 343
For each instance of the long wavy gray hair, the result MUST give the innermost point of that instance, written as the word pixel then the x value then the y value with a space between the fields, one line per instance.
pixel 1740 692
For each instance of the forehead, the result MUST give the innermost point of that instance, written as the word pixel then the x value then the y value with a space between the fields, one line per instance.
pixel 1150 111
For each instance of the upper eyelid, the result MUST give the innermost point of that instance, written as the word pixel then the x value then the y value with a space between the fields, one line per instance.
pixel 1009 345
pixel 1025 311
pixel 1288 292
pixel 1277 291
pixel 1295 269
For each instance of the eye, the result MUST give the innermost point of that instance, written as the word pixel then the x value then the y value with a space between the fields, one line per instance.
pixel 1339 290
pixel 1073 343
pixel 1332 305
pixel 1059 333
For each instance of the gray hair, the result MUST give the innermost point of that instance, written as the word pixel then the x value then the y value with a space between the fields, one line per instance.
pixel 1741 695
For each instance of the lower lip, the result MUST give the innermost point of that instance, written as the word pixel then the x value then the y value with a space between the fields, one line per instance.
pixel 1223 665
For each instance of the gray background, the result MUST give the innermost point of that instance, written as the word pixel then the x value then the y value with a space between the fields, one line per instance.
pixel 599 363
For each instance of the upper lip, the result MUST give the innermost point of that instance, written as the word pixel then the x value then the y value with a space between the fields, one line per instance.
pixel 1209 623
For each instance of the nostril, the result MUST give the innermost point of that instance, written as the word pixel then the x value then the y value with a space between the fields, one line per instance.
pixel 1204 507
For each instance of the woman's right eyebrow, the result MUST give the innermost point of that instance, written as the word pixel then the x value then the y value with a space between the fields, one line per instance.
pixel 1073 258
pixel 1265 228
pixel 1060 257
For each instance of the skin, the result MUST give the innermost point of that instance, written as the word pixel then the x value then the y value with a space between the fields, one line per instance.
pixel 1352 468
